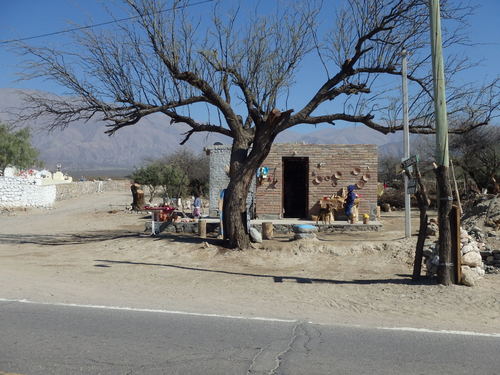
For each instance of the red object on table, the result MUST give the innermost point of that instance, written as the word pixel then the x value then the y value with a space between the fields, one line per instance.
pixel 166 209
pixel 161 213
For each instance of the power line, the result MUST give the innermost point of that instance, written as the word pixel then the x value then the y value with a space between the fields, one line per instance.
pixel 99 24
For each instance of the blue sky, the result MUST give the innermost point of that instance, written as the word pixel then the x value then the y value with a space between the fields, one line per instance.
pixel 24 18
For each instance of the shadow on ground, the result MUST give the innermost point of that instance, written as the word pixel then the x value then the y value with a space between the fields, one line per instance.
pixel 402 280
pixel 65 238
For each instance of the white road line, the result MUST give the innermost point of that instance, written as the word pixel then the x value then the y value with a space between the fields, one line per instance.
pixel 102 307
pixel 174 312
pixel 425 330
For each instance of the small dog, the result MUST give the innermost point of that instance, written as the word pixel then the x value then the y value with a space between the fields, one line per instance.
pixel 325 214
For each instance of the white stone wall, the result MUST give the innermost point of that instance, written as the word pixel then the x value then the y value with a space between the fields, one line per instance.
pixel 77 189
pixel 218 162
pixel 220 156
pixel 24 192
pixel 31 192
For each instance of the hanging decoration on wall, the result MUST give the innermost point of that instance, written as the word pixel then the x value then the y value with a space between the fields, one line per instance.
pixel 355 171
pixel 262 174
pixel 360 184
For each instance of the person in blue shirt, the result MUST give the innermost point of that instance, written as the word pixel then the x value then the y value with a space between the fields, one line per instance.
pixel 350 202
pixel 197 207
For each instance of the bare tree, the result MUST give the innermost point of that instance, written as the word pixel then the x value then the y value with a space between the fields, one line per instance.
pixel 478 155
pixel 242 66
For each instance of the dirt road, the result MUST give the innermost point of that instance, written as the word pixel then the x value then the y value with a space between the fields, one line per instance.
pixel 91 251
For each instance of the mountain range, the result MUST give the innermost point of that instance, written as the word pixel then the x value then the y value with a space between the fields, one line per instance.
pixel 83 145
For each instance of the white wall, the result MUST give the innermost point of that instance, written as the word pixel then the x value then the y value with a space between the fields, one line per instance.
pixel 23 192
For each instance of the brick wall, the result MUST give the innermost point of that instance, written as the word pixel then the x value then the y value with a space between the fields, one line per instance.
pixel 334 158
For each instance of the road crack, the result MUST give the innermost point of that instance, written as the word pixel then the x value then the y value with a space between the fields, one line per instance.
pixel 279 357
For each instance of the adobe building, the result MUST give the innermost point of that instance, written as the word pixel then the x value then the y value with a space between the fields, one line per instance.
pixel 294 177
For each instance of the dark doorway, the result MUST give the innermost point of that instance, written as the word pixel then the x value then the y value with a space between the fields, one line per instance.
pixel 295 187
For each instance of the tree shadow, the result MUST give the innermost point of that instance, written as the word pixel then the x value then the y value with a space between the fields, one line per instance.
pixel 65 238
pixel 403 280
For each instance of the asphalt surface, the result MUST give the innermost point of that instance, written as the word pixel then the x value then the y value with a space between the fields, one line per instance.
pixel 49 339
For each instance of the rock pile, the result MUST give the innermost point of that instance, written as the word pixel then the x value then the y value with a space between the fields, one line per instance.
pixel 473 251
pixel 483 211
pixel 479 240
pixel 472 261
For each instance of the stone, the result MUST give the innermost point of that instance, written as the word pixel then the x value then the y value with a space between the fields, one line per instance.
pixel 304 236
pixel 255 235
pixel 432 264
pixel 479 271
pixel 304 228
pixel 386 207
pixel 427 252
pixel 467 249
pixel 432 229
pixel 472 259
pixel 469 277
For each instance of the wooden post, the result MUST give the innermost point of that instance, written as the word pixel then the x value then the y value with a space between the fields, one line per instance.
pixel 457 193
pixel 202 228
pixel 456 255
pixel 423 204
pixel 267 230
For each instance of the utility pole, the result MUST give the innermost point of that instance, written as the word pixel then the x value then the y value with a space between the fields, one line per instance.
pixel 442 159
pixel 406 142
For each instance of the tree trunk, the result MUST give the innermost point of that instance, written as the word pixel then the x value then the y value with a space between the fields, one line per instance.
pixel 423 205
pixel 235 198
pixel 235 216
pixel 137 197
pixel 445 202
pixel 243 165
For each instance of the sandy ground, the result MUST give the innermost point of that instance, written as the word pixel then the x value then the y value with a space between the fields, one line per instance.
pixel 91 251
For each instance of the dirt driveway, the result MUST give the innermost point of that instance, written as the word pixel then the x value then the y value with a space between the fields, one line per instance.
pixel 91 251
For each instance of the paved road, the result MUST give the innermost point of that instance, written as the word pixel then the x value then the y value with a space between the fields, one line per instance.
pixel 48 339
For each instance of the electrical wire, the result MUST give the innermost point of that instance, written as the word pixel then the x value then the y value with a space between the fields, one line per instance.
pixel 98 24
